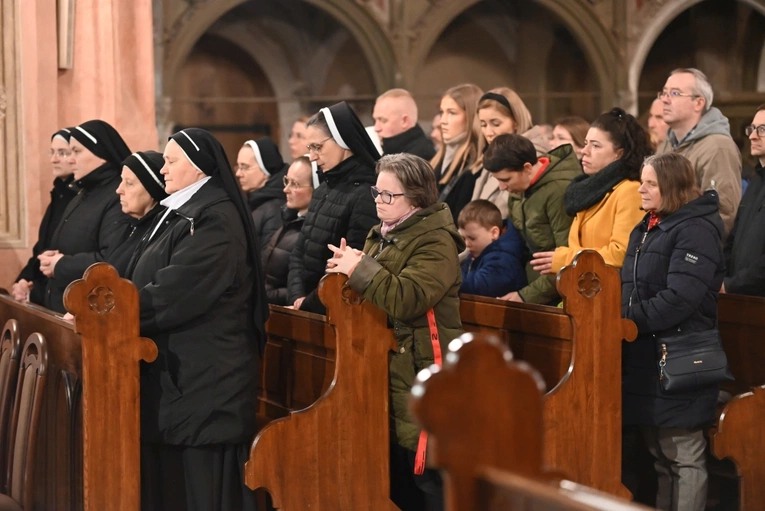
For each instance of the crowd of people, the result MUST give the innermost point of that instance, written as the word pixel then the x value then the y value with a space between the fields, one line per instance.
pixel 488 203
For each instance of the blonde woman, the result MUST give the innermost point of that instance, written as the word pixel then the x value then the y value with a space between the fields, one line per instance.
pixel 455 162
pixel 502 111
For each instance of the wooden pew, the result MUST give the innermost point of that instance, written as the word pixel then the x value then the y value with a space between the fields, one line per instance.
pixel 91 402
pixel 334 454
pixel 578 352
pixel 485 413
pixel 742 329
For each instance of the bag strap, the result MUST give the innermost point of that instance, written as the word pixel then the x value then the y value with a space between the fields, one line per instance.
pixel 422 444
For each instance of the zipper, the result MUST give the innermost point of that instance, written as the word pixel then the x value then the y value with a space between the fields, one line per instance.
pixel 189 219
pixel 663 361
pixel 634 267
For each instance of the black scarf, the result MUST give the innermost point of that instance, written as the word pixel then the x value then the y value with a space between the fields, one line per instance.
pixel 585 191
pixel 343 121
pixel 101 139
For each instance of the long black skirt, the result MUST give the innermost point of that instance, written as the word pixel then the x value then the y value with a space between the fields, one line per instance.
pixel 205 478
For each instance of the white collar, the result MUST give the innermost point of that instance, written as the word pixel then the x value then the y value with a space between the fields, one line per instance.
pixel 181 197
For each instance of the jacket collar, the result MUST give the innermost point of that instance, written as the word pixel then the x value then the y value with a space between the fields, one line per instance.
pixel 403 141
pixel 99 176
pixel 350 169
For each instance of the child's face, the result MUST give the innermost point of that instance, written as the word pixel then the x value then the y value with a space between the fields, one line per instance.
pixel 477 237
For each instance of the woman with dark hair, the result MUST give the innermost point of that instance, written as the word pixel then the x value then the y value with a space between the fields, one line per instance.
pixel 30 284
pixel 604 200
pixel 260 171
pixel 140 192
pixel 203 303
pixel 341 206
pixel 410 269
pixel 93 221
pixel 670 280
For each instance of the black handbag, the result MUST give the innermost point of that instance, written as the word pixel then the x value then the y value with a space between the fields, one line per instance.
pixel 687 361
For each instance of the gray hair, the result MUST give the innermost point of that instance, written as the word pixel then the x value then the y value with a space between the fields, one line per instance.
pixel 415 175
pixel 701 88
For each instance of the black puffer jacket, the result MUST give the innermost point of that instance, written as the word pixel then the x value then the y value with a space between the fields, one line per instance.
pixel 412 141
pixel 679 273
pixel 266 204
pixel 276 256
pixel 60 196
pixel 341 207
pixel 92 223
pixel 745 245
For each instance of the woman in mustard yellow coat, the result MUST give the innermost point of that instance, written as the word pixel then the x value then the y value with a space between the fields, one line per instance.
pixel 604 200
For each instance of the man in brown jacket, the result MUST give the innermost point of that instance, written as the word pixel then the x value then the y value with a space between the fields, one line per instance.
pixel 702 134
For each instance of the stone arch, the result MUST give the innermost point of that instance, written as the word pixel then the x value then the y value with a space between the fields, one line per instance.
pixel 200 16
pixel 598 45
pixel 655 21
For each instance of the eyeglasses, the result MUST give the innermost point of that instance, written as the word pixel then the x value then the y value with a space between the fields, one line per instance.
pixel 384 195
pixel 752 128
pixel 673 94
pixel 289 183
pixel 61 153
pixel 316 148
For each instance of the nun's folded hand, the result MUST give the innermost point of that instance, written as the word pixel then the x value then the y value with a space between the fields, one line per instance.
pixel 344 259
pixel 48 260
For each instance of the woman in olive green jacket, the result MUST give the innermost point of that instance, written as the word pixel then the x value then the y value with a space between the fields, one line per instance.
pixel 410 265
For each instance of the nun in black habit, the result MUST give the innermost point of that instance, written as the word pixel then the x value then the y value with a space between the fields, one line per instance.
pixel 260 170
pixel 30 284
pixel 140 192
pixel 341 207
pixel 93 220
pixel 202 301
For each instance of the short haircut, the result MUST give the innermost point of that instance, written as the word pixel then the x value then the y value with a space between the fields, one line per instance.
pixel 509 152
pixel 481 212
pixel 408 103
pixel 701 88
pixel 626 134
pixel 760 108
pixel 677 181
pixel 576 127
pixel 415 175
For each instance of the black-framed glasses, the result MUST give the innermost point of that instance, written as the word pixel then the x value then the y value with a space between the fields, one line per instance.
pixel 316 148
pixel 61 153
pixel 386 196
pixel 291 183
pixel 752 128
pixel 672 94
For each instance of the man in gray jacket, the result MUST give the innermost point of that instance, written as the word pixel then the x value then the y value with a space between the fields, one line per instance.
pixel 702 134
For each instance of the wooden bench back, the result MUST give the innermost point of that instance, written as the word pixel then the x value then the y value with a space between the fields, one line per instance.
pixel 334 454
pixel 484 412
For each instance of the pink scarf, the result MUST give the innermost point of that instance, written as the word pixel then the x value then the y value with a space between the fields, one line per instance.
pixel 385 228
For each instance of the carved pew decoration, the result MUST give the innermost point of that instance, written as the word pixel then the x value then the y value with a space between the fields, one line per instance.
pixel 106 314
pixel 484 412
pixel 480 393
pixel 589 449
pixel 740 436
pixel 334 454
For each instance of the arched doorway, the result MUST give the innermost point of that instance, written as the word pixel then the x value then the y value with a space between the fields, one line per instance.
pixel 527 41
pixel 311 52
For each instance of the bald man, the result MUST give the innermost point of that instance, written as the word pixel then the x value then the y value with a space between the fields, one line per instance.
pixel 395 116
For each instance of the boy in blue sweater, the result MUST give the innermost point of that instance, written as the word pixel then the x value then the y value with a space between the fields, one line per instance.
pixel 495 264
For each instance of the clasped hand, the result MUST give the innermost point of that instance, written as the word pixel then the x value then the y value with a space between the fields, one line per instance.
pixel 344 259
pixel 48 260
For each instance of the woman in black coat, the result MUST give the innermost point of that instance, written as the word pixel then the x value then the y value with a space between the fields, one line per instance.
pixel 677 277
pixel 341 207
pixel 260 171
pixel 30 284
pixel 140 191
pixel 299 184
pixel 93 220
pixel 202 301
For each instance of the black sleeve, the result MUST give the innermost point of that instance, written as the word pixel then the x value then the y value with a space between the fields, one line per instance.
pixel 31 271
pixel 363 216
pixel 295 288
